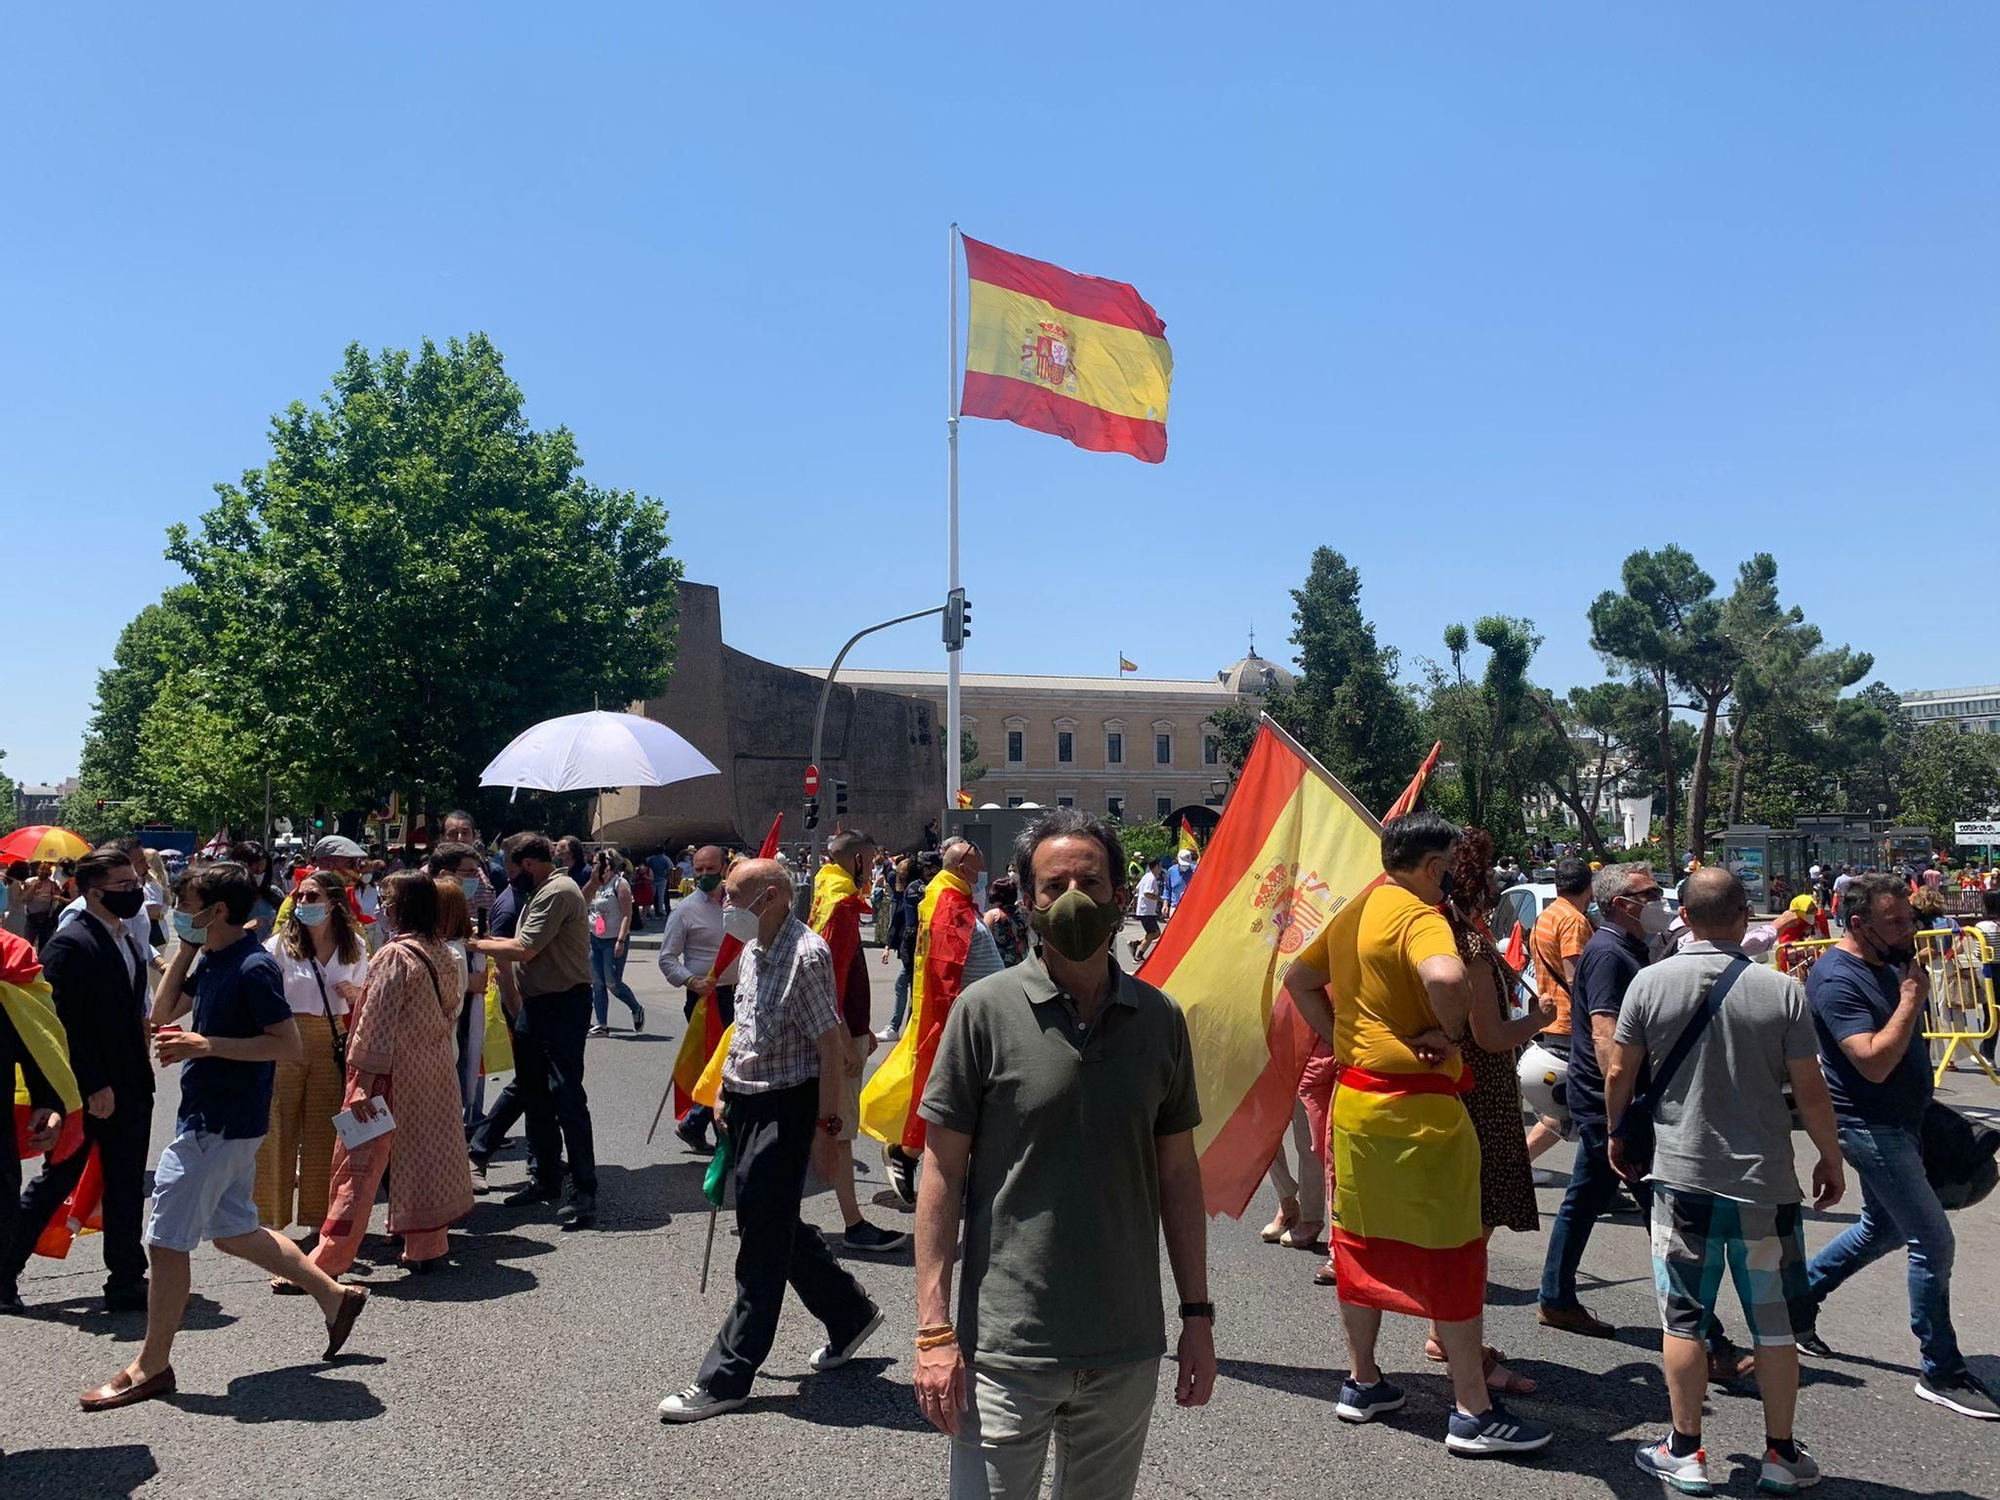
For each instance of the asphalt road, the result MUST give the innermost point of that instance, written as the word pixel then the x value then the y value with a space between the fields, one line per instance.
pixel 532 1366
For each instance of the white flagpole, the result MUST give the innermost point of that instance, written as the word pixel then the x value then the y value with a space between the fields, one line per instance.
pixel 951 713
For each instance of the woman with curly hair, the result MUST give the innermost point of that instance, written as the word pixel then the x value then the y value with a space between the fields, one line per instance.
pixel 1492 1047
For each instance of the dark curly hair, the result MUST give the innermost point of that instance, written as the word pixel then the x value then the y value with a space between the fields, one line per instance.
pixel 1471 873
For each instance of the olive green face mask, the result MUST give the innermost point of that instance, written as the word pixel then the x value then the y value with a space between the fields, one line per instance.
pixel 1076 926
pixel 707 882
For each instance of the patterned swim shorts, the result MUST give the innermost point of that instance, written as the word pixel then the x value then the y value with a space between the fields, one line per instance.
pixel 1695 1235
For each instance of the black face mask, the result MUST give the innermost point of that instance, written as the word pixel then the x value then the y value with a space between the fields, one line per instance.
pixel 1896 954
pixel 522 884
pixel 122 904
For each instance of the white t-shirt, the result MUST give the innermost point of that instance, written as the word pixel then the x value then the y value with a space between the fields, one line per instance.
pixel 1149 894
pixel 302 986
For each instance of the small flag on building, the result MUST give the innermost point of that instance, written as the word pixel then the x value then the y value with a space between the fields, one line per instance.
pixel 1077 356
pixel 964 797
pixel 1126 666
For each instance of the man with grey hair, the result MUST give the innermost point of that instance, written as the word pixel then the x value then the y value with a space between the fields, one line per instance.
pixel 781 1096
pixel 1723 1036
pixel 1631 910
pixel 688 950
pixel 1061 1108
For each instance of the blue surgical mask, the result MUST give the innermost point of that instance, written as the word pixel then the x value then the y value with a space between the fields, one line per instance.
pixel 186 928
pixel 312 915
pixel 472 885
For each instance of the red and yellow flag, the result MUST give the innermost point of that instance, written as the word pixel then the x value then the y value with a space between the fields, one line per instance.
pixel 1126 664
pixel 1292 848
pixel 1415 789
pixel 946 918
pixel 707 1039
pixel 964 797
pixel 1077 356
pixel 1187 840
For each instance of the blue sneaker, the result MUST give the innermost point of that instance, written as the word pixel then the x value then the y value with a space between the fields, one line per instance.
pixel 1495 1430
pixel 1687 1473
pixel 1363 1403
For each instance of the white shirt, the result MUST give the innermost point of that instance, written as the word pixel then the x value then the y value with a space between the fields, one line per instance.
pixel 1149 894
pixel 690 943
pixel 302 985
pixel 139 926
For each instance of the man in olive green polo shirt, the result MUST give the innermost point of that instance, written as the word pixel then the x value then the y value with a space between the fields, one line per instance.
pixel 550 951
pixel 1061 1109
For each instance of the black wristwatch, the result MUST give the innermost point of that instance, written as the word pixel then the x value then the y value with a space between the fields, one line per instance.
pixel 1198 1310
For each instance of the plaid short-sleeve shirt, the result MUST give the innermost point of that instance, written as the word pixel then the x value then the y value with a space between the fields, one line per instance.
pixel 785 1002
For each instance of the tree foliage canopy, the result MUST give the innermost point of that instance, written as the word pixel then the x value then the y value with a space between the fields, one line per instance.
pixel 416 575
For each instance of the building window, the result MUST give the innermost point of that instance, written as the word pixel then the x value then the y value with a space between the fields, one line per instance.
pixel 1114 807
pixel 1065 799
pixel 1162 806
pixel 1114 749
pixel 1210 754
pixel 1015 799
pixel 1163 749
pixel 1065 747
pixel 1015 749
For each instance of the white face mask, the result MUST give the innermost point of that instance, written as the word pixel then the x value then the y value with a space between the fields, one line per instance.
pixel 740 922
pixel 1655 918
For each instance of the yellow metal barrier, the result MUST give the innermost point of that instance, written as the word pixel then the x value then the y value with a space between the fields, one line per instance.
pixel 1964 1008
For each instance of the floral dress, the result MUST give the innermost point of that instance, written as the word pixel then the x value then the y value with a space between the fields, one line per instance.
pixel 1506 1180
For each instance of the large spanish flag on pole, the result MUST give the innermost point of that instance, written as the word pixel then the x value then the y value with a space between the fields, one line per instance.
pixel 1077 356
pixel 1292 848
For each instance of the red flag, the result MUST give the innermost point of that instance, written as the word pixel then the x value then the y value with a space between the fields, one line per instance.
pixel 769 848
pixel 1517 951
pixel 1416 787
pixel 705 1027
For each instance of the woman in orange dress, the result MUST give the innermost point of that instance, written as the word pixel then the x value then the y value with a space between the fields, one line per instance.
pixel 402 1048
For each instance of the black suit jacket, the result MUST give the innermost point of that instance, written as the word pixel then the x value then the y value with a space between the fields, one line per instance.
pixel 103 1009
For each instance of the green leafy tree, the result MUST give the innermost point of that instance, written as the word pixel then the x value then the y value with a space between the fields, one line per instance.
pixel 1143 841
pixel 1946 776
pixel 1346 707
pixel 161 639
pixel 1665 631
pixel 6 799
pixel 415 576
pixel 970 768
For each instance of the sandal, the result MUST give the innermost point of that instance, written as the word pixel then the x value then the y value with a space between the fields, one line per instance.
pixel 1498 1377
pixel 1288 1215
pixel 1302 1236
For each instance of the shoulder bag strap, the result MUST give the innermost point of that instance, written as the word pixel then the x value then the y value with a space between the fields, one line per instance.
pixel 1697 1027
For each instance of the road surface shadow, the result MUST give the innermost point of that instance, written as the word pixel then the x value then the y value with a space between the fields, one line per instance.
pixel 101 1471
pixel 87 1315
pixel 296 1393
pixel 858 1394
pixel 638 1199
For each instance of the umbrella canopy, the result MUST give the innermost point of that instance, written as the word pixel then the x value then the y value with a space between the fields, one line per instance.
pixel 42 842
pixel 582 752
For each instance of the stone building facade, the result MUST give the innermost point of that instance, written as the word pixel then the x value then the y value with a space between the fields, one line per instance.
pixel 1132 747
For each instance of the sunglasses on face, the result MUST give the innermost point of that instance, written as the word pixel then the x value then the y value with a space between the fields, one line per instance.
pixel 309 898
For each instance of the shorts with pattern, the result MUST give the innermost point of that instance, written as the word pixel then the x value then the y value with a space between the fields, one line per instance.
pixel 1697 1235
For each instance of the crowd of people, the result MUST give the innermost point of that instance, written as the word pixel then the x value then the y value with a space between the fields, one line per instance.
pixel 1036 1096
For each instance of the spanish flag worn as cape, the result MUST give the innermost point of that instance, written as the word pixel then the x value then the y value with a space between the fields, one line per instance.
pixel 945 920
pixel 837 905
pixel 1293 847
pixel 26 997
pixel 698 1064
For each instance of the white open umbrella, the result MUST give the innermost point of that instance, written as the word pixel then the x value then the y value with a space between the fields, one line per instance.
pixel 582 752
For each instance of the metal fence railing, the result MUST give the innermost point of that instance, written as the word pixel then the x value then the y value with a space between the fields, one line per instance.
pixel 1964 1012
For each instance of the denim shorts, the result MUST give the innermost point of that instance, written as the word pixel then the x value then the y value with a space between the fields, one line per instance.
pixel 1697 1236
pixel 204 1188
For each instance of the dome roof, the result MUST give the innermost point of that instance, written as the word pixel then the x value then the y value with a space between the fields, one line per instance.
pixel 1253 676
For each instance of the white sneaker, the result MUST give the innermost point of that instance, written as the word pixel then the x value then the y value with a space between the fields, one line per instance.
pixel 696 1404
pixel 826 1357
pixel 886 1034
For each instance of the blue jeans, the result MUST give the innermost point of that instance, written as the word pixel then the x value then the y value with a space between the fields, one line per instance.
pixel 1898 1208
pixel 607 978
pixel 902 998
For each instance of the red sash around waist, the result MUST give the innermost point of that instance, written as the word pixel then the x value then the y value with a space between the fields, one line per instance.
pixel 1370 1082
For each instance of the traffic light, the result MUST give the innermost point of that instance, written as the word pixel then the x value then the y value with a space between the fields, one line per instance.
pixel 812 812
pixel 100 804
pixel 319 818
pixel 840 799
pixel 957 620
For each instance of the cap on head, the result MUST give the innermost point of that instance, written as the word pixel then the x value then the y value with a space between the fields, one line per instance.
pixel 338 846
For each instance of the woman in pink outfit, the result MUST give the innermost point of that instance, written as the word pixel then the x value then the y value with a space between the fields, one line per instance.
pixel 402 1048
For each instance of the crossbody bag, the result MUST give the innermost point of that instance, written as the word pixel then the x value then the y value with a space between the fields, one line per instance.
pixel 1635 1128
pixel 332 1026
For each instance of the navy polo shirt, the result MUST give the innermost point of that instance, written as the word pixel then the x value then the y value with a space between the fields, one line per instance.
pixel 1605 969
pixel 1851 997
pixel 238 992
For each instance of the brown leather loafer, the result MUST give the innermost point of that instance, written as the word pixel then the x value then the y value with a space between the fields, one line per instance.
pixel 1575 1320
pixel 120 1390
pixel 351 1304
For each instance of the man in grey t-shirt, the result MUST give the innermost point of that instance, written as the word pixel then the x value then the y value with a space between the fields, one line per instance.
pixel 1725 1192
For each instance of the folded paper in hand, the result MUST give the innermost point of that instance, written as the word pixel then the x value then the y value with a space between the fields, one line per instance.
pixel 353 1132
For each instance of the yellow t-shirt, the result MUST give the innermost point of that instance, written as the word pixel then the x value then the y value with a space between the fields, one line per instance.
pixel 1372 948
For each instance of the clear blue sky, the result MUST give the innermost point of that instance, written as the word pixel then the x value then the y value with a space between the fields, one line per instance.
pixel 1485 296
